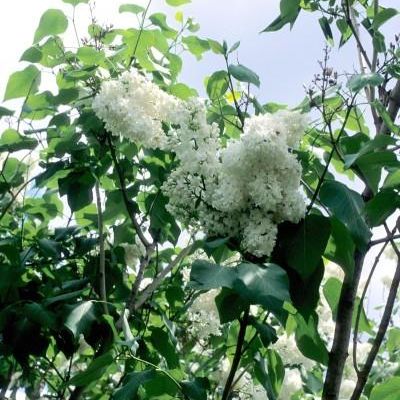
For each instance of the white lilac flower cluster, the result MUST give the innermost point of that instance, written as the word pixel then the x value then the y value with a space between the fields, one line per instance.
pixel 242 190
pixel 133 107
pixel 204 317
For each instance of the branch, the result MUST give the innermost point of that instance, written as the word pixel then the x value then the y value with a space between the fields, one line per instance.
pixel 149 290
pixel 385 240
pixel 360 305
pixel 387 314
pixel 128 203
pixel 237 356
pixel 393 107
pixel 339 351
pixel 102 258
pixel 347 12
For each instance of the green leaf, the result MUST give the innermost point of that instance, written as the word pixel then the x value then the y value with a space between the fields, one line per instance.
pixel 182 91
pixel 308 244
pixel 33 55
pixel 75 2
pixel 12 141
pixel 393 341
pixel 5 112
pixel 234 47
pixel 38 314
pixel 266 332
pixel 326 29
pixel 80 318
pixel 383 16
pixel 216 47
pixel 392 180
pixel 196 45
pixel 176 3
pixel 77 185
pixel 383 113
pixel 388 390
pixel 340 248
pixel 89 55
pixel 132 8
pixel 347 206
pixel 23 83
pixel 244 74
pixel 217 85
pixel 360 81
pixel 264 285
pixel 131 384
pixel 52 22
pixel 308 340
pixel 230 305
pixel 50 248
pixel 382 206
pixel 162 343
pixel 94 371
pixel 289 11
pixel 197 389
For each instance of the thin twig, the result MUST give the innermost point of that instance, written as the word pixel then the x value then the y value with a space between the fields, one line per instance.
pixel 237 356
pixel 102 258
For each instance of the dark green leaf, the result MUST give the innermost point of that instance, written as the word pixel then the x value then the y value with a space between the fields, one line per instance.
pixel 197 389
pixel 264 285
pixel 326 29
pixel 347 206
pixel 308 244
pixel 5 112
pixel 266 332
pixel 131 384
pixel 80 317
pixel 244 74
pixel 162 343
pixel 94 371
pixel 308 340
pixel 230 305
pixel 381 206
pixel 340 248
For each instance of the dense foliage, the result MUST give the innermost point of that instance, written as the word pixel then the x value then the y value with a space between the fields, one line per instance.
pixel 155 245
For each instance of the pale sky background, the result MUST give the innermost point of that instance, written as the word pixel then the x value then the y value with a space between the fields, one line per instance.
pixel 284 60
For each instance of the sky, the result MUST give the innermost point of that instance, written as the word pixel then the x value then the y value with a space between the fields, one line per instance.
pixel 284 60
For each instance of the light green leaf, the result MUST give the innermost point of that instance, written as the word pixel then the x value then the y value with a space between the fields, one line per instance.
pixel 23 83
pixel 132 8
pixel 176 3
pixel 75 2
pixel 383 16
pixel 388 390
pixel 244 74
pixel 52 22
pixel 11 141
pixel 196 45
pixel 360 81
pixel 217 85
